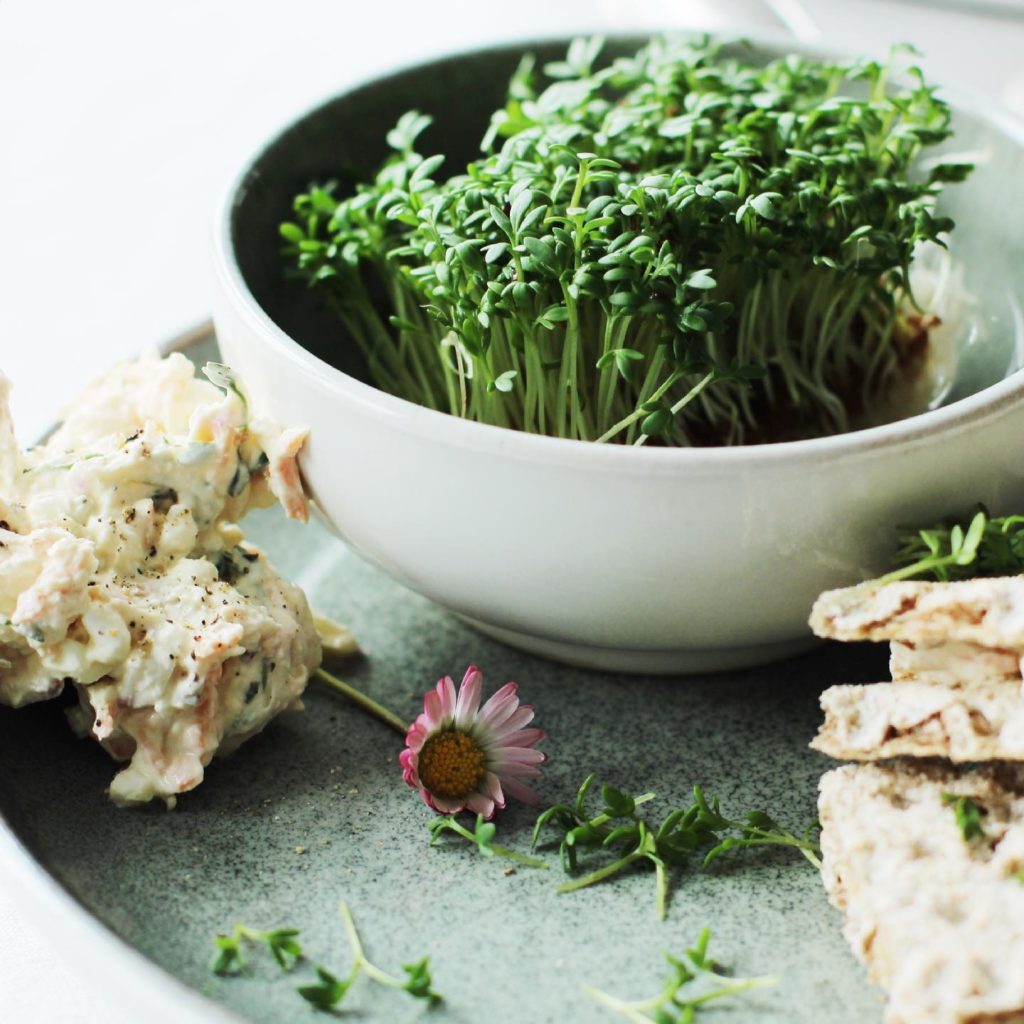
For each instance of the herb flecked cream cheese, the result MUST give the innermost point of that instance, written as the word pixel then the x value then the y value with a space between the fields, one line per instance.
pixel 123 574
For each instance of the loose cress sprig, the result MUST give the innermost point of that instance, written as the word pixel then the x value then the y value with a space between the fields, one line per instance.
pixel 694 982
pixel 281 942
pixel 329 990
pixel 984 546
pixel 638 241
pixel 968 815
pixel 482 837
pixel 681 833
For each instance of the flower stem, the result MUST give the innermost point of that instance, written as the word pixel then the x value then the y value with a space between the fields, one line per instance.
pixel 361 700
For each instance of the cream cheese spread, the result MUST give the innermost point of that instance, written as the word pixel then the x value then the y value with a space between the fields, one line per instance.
pixel 123 574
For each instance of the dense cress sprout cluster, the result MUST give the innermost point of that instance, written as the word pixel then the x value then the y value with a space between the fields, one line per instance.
pixel 678 244
pixel 951 550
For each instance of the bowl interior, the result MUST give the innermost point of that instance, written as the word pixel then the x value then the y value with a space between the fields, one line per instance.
pixel 344 140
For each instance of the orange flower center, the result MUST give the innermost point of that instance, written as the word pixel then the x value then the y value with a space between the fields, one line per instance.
pixel 451 764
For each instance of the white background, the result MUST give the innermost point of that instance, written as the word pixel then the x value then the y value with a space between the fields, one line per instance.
pixel 121 123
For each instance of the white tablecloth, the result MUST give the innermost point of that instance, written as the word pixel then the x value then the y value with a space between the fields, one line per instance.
pixel 121 122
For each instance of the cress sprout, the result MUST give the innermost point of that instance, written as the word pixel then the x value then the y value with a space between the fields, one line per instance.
pixel 681 245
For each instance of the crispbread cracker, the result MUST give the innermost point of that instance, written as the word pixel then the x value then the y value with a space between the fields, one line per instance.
pixel 986 612
pixel 938 920
pixel 953 664
pixel 982 722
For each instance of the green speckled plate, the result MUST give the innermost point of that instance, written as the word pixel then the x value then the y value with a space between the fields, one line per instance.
pixel 314 811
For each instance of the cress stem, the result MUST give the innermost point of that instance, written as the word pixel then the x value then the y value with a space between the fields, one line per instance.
pixel 661 887
pixel 359 956
pixel 686 399
pixel 811 856
pixel 628 1010
pixel 381 977
pixel 807 847
pixel 603 819
pixel 498 851
pixel 637 414
pixel 730 987
pixel 361 700
pixel 519 858
pixel 350 932
pixel 758 837
pixel 600 874
pixel 924 565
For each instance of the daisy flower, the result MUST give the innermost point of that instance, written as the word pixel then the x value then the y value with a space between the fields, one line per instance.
pixel 461 756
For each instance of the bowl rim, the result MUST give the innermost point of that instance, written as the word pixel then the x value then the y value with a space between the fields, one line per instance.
pixel 432 425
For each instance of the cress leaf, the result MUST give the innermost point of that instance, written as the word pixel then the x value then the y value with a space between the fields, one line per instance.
pixel 670 203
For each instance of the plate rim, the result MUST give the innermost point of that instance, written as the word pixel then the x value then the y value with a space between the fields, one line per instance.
pixel 90 944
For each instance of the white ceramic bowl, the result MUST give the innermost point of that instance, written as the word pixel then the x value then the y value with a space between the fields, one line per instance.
pixel 643 560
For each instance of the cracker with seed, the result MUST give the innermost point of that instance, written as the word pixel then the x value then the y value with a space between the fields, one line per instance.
pixel 938 919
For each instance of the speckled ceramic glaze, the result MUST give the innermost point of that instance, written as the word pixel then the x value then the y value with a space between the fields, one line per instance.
pixel 613 557
pixel 315 811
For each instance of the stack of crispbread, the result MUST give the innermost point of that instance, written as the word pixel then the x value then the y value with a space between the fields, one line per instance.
pixel 937 916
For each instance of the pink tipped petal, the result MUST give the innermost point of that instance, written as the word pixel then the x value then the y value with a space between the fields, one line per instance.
pixel 520 755
pixel 517 720
pixel 498 729
pixel 446 805
pixel 469 697
pixel 479 804
pixel 505 762
pixel 432 708
pixel 416 737
pixel 517 771
pixel 492 787
pixel 445 691
pixel 515 788
pixel 500 705
pixel 470 674
pixel 522 738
